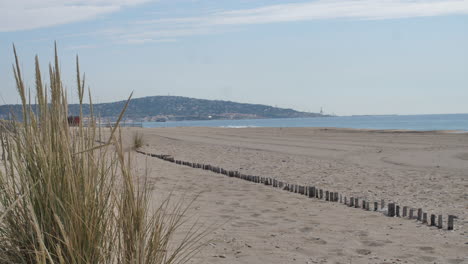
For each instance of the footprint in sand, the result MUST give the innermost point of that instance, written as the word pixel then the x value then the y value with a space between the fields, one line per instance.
pixel 428 258
pixel 373 243
pixel 317 240
pixel 305 229
pixel 363 251
pixel 427 249
pixel 244 224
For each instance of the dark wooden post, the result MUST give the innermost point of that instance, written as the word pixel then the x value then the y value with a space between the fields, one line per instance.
pixel 363 204
pixel 327 195
pixel 439 222
pixel 433 220
pixel 391 209
pixel 405 211
pixel 450 222
pixel 397 211
pixel 356 202
pixel 376 206
pixel 419 214
pixel 411 213
pixel 321 194
pixel 382 203
pixel 424 218
pixel 311 192
pixel 336 197
pixel 351 201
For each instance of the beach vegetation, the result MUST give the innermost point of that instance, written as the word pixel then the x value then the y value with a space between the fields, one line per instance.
pixel 66 199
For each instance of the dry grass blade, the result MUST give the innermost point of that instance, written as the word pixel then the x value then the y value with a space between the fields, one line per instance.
pixel 64 199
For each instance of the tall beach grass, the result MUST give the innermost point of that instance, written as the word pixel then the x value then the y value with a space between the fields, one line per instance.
pixel 66 199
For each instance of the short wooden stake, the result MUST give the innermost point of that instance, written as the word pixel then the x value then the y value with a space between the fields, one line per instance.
pixel 411 213
pixel 356 202
pixel 450 221
pixel 321 194
pixel 424 218
pixel 405 211
pixel 327 196
pixel 397 211
pixel 336 197
pixel 439 222
pixel 341 198
pixel 382 203
pixel 367 206
pixel 391 210
pixel 433 220
pixel 419 214
pixel 363 204
pixel 376 206
pixel 351 201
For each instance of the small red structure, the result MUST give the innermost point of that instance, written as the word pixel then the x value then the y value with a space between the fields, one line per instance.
pixel 73 120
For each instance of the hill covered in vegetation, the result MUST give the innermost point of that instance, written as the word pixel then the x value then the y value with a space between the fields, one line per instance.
pixel 154 108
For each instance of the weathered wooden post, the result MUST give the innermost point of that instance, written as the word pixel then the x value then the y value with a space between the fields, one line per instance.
pixel 405 211
pixel 411 213
pixel 321 194
pixel 363 204
pixel 311 191
pixel 336 197
pixel 341 198
pixel 419 214
pixel 376 206
pixel 327 198
pixel 356 202
pixel 433 220
pixel 397 211
pixel 368 206
pixel 424 218
pixel 382 203
pixel 439 222
pixel 351 202
pixel 450 221
pixel 391 209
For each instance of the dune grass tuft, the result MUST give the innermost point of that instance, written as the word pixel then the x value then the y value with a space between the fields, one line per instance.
pixel 66 199
pixel 137 140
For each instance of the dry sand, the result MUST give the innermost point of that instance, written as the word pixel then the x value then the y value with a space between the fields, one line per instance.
pixel 260 224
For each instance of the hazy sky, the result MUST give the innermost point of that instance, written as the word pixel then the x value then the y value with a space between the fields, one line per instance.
pixel 347 56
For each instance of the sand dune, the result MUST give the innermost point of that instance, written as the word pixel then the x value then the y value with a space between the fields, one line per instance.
pixel 266 225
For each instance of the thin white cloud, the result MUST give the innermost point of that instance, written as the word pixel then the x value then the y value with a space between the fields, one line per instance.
pixel 306 11
pixel 18 15
pixel 328 9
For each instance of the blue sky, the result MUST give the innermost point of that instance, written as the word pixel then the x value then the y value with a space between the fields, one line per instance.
pixel 347 56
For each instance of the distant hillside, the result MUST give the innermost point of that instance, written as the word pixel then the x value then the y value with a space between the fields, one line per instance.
pixel 180 108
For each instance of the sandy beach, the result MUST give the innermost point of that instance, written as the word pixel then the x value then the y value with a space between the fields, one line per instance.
pixel 260 224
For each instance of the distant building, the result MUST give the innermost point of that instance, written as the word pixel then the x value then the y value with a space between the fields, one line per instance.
pixel 73 120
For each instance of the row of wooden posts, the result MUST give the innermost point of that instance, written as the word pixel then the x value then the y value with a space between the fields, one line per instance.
pixel 314 192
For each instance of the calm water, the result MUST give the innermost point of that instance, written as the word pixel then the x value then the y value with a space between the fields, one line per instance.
pixel 410 122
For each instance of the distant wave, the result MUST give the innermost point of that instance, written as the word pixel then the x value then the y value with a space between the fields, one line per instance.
pixel 237 126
